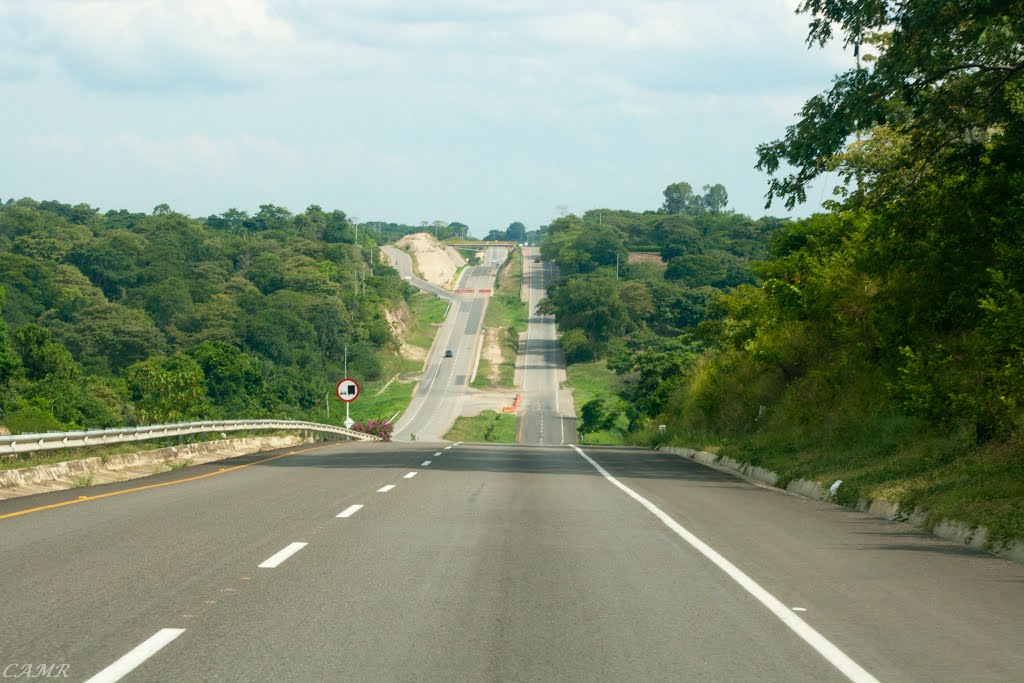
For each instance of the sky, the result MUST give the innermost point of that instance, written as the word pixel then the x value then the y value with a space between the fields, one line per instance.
pixel 478 111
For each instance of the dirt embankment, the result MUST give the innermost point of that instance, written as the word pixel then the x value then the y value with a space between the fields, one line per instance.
pixel 400 321
pixel 433 261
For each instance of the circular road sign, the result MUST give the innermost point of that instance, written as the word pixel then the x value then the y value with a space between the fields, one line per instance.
pixel 347 390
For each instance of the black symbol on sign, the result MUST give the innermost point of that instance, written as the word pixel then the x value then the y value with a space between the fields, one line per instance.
pixel 349 389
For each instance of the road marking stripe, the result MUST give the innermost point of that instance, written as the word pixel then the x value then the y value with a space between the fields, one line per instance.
pixel 425 463
pixel 437 454
pixel 458 443
pixel 349 511
pixel 447 448
pixel 410 475
pixel 385 489
pixel 824 647
pixel 280 556
pixel 133 659
pixel 84 499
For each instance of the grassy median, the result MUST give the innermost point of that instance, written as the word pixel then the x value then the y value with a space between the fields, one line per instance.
pixel 487 427
pixel 507 316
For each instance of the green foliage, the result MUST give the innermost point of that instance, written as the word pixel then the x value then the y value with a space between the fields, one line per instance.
pixel 168 389
pixel 31 420
pixel 8 357
pixel 123 317
pixel 487 427
pixel 884 345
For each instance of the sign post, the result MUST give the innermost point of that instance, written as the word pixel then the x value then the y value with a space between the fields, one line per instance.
pixel 347 391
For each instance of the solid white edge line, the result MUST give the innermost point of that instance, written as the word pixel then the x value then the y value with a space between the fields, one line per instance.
pixel 410 475
pixel 426 462
pixel 281 555
pixel 349 511
pixel 133 659
pixel 820 643
pixel 385 489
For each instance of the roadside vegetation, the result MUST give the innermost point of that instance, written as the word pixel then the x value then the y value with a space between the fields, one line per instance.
pixel 487 427
pixel 120 318
pixel 878 342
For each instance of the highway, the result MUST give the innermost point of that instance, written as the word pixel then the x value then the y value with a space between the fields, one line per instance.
pixel 437 400
pixel 547 415
pixel 403 264
pixel 401 562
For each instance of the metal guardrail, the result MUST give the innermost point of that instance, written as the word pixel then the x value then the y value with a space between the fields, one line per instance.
pixel 52 441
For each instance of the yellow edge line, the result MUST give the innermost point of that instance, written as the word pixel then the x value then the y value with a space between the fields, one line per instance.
pixel 86 499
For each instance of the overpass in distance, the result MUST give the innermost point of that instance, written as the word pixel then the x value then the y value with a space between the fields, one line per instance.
pixel 440 561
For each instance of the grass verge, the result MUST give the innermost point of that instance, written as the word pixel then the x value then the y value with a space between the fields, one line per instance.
pixel 594 380
pixel 838 425
pixel 487 427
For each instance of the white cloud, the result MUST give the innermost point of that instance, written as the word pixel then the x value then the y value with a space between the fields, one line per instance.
pixel 406 106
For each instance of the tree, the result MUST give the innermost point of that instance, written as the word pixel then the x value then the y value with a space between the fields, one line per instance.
pixel 946 74
pixel 715 198
pixel 516 232
pixel 679 198
pixel 41 356
pixel 591 304
pixel 168 389
pixel 9 360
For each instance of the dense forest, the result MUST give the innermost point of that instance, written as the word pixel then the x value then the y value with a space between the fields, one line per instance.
pixel 122 318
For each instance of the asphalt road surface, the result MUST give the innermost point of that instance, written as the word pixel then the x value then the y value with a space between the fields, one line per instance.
pixel 545 418
pixel 402 562
pixel 438 398
pixel 403 264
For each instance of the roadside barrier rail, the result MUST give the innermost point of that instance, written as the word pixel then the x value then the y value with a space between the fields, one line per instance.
pixel 52 441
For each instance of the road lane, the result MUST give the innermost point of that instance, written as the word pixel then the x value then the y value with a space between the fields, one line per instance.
pixel 439 396
pixel 546 416
pixel 501 564
pixel 86 583
pixel 495 563
pixel 402 262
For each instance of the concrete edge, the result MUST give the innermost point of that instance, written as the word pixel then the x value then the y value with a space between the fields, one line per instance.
pixel 63 475
pixel 948 529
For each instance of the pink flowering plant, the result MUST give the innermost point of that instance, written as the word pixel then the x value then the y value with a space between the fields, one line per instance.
pixel 381 428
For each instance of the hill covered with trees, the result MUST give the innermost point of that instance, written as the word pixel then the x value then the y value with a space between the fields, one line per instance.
pixel 120 318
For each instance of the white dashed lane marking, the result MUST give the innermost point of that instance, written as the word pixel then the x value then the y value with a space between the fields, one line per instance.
pixel 350 510
pixel 410 475
pixel 425 463
pixel 133 659
pixel 385 489
pixel 280 556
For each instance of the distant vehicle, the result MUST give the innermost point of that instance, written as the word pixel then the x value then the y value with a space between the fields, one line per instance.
pixel 536 260
pixel 448 353
pixel 494 261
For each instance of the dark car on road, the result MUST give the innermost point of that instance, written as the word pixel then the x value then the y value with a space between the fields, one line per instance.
pixel 448 353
